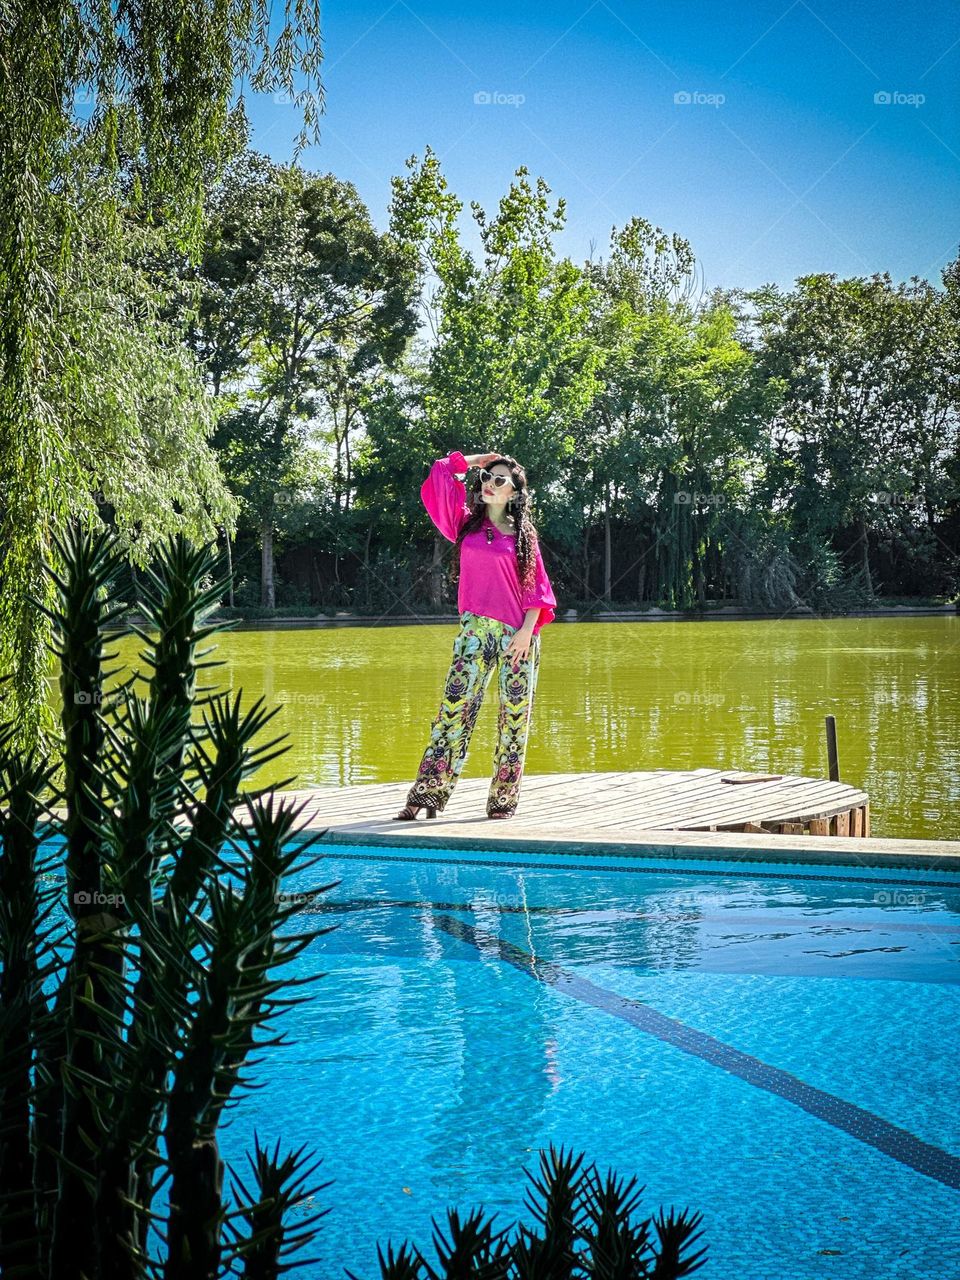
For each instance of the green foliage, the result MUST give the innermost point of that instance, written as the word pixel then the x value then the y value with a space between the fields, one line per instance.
pixel 91 391
pixel 139 959
pixel 514 363
pixel 585 1226
pixel 864 436
pixel 300 303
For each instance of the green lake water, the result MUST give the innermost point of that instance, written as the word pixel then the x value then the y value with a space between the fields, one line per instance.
pixel 358 703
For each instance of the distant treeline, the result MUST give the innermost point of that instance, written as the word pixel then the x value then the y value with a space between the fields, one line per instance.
pixel 773 449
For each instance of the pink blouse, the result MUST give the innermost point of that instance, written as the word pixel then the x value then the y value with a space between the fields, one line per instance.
pixel 489 583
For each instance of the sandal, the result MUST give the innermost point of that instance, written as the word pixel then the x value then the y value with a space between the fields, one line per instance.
pixel 501 814
pixel 409 812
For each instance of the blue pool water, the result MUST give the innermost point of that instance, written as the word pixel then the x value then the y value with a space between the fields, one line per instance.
pixel 772 1046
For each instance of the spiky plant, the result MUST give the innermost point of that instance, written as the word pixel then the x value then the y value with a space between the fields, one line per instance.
pixel 141 930
pixel 585 1228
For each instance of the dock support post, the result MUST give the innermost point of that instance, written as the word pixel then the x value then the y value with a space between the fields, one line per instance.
pixel 833 762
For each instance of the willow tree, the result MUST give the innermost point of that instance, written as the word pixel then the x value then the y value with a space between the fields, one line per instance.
pixel 96 406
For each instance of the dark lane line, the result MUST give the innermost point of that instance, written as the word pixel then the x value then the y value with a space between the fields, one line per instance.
pixel 893 1141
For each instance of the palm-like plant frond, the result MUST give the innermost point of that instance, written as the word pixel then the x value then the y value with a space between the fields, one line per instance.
pixel 130 1007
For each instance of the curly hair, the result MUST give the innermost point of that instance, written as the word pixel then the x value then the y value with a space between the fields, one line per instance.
pixel 519 507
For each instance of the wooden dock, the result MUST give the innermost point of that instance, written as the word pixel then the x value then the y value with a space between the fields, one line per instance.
pixel 656 800
pixel 713 813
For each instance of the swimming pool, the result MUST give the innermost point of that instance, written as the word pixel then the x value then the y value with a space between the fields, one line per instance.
pixel 775 1047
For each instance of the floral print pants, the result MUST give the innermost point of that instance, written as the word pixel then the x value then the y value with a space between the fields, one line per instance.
pixel 480 646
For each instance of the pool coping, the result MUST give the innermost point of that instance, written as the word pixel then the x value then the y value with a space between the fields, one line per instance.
pixel 863 852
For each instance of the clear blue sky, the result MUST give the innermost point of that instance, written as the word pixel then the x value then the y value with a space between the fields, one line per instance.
pixel 796 170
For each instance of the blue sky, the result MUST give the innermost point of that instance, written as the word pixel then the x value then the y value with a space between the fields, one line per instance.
pixel 781 164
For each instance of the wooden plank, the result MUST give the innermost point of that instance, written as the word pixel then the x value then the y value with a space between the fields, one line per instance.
pixel 616 784
pixel 840 824
pixel 795 805
pixel 819 826
pixel 576 800
pixel 662 800
pixel 856 821
pixel 817 801
pixel 701 798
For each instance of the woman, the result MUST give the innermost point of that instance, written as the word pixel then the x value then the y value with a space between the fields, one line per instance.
pixel 504 599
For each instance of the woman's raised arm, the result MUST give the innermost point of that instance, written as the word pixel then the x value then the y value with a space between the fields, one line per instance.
pixel 445 496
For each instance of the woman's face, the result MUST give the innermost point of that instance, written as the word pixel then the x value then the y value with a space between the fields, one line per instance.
pixel 497 495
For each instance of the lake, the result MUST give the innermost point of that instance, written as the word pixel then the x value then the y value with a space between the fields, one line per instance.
pixel 358 703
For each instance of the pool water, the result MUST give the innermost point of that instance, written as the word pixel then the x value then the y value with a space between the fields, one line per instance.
pixel 775 1047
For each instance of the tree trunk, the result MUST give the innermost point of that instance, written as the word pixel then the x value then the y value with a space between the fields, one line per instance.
pixel 349 466
pixel 316 571
pixel 865 552
pixel 268 591
pixel 229 566
pixel 366 562
pixel 196 1200
pixel 606 548
pixel 436 574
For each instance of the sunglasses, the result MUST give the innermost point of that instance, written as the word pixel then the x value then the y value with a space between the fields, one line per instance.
pixel 498 478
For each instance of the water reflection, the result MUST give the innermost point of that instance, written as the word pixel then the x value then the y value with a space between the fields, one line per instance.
pixel 358 703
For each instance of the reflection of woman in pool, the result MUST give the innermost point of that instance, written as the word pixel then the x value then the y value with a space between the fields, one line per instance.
pixel 504 599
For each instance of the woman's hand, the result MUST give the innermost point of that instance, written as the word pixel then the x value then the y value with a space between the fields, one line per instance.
pixel 480 459
pixel 520 641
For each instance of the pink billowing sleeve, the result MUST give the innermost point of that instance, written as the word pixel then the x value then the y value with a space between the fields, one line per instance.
pixel 540 593
pixel 444 496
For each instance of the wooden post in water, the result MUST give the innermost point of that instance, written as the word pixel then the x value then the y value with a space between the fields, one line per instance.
pixel 833 763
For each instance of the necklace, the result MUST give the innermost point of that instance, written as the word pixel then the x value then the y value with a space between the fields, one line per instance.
pixel 506 532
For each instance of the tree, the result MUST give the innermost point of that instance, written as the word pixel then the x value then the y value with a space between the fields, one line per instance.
pixel 514 364
pixel 302 303
pixel 870 413
pixel 672 439
pixel 161 88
